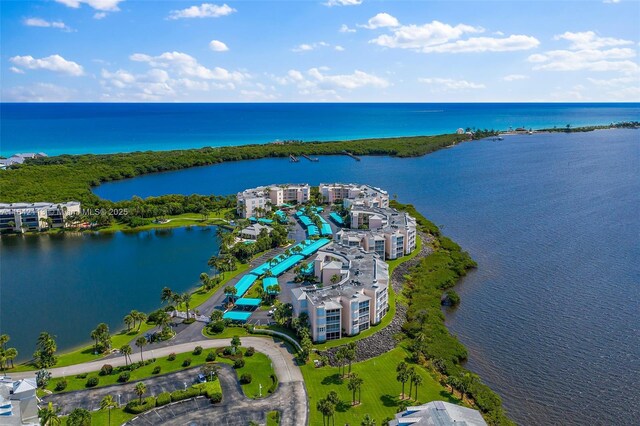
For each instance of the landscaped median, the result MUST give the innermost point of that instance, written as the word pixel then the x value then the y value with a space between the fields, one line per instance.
pixel 246 361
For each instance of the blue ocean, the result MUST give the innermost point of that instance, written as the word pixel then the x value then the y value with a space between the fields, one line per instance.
pixel 108 128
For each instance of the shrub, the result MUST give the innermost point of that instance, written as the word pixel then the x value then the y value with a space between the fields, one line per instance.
pixel 149 361
pixel 197 350
pixel 179 395
pixel 92 382
pixel 106 370
pixel 82 376
pixel 61 385
pixel 171 357
pixel 217 327
pixel 274 383
pixel 124 377
pixel 250 351
pixel 134 406
pixel 216 398
pixel 79 417
pixel 211 356
pixel 163 399
pixel 246 378
pixel 186 362
pixel 189 321
pixel 228 350
pixel 238 363
pixel 156 369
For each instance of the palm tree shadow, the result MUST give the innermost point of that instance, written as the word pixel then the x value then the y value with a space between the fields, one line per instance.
pixel 333 379
pixel 389 400
pixel 448 397
pixel 343 406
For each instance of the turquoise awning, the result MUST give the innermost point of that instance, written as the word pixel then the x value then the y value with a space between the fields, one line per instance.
pixel 236 316
pixel 314 247
pixel 336 218
pixel 286 264
pixel 268 282
pixel 243 285
pixel 248 301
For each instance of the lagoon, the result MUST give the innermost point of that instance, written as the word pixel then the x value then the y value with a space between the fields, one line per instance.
pixel 550 316
pixel 66 284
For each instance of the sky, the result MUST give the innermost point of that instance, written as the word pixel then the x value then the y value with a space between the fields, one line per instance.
pixel 319 51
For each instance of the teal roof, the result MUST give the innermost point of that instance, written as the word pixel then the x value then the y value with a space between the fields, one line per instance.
pixel 286 264
pixel 268 282
pixel 286 205
pixel 253 219
pixel 326 229
pixel 236 316
pixel 244 283
pixel 314 247
pixel 308 269
pixel 305 220
pixel 336 218
pixel 264 220
pixel 282 216
pixel 312 231
pixel 318 209
pixel 248 301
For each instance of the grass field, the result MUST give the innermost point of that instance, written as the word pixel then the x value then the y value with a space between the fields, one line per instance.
pixel 380 390
pixel 185 219
pixel 273 418
pixel 118 417
pixel 387 318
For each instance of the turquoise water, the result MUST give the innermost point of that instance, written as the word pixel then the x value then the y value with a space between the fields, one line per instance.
pixel 67 284
pixel 107 128
pixel 550 317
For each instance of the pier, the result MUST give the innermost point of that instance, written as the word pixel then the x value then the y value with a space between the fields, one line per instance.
pixel 313 160
pixel 351 155
pixel 293 158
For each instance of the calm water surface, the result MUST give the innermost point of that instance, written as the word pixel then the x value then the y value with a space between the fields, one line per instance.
pixel 551 315
pixel 68 284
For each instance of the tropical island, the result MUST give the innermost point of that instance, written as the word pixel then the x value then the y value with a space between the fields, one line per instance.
pixel 303 260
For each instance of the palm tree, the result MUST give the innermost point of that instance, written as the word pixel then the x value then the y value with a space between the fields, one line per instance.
pixel 351 354
pixel 367 421
pixel 166 295
pixel 417 381
pixel 140 390
pixel 340 355
pixel 108 403
pixel 326 408
pixel 216 315
pixel 49 415
pixel 354 385
pixel 230 291
pixel 205 280
pixel 335 278
pixel 186 299
pixel 11 354
pixel 402 377
pixel 95 335
pixel 128 321
pixel 412 373
pixel 141 342
pixel 126 351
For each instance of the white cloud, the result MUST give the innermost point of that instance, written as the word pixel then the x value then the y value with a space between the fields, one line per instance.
pixel 451 84
pixel 104 5
pixel 588 51
pixel 438 37
pixel 307 47
pixel 344 28
pixel 38 92
pixel 16 70
pixel 188 66
pixel 339 48
pixel 331 3
pixel 515 77
pixel 351 81
pixel 610 1
pixel 38 22
pixel 381 20
pixel 485 44
pixel 205 10
pixel 615 82
pixel 590 40
pixel 52 63
pixel 99 15
pixel 218 46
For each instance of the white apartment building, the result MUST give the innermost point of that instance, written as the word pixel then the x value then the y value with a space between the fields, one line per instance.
pixel 353 294
pixel 22 217
pixel 264 197
pixel 354 194
pixel 18 402
pixel 371 225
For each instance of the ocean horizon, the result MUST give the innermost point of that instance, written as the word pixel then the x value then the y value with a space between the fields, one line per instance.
pixel 107 128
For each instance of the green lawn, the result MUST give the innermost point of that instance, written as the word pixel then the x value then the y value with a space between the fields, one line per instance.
pixel 387 318
pixel 100 417
pixel 200 296
pixel 185 219
pixel 227 333
pixel 258 365
pixel 273 418
pixel 380 390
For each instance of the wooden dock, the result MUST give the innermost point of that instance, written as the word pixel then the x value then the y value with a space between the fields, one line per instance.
pixel 313 160
pixel 351 155
pixel 293 158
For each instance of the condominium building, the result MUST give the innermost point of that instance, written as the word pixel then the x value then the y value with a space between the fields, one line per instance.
pixel 371 225
pixel 352 296
pixel 19 158
pixel 22 217
pixel 263 198
pixel 354 194
pixel 18 402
